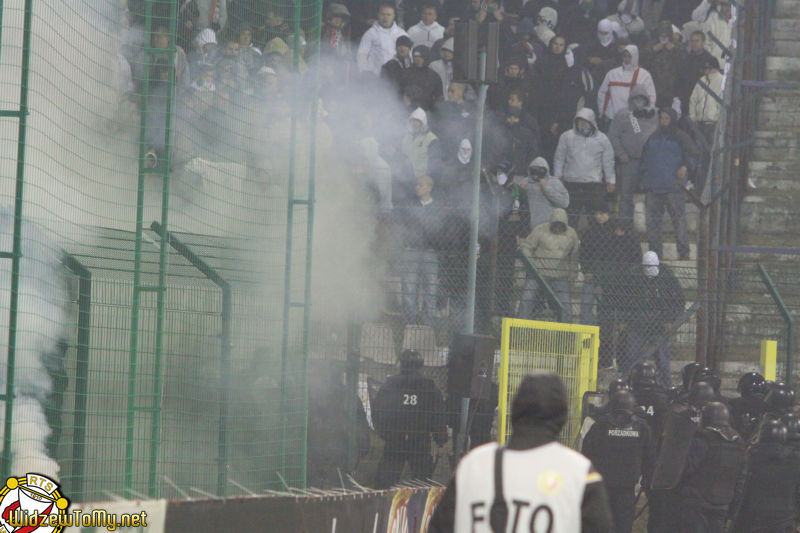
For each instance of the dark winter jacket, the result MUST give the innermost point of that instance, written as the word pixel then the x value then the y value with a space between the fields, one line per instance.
pixel 421 224
pixel 772 482
pixel 663 154
pixel 663 66
pixel 691 70
pixel 620 446
pixel 392 71
pixel 516 144
pixel 429 83
pixel 655 301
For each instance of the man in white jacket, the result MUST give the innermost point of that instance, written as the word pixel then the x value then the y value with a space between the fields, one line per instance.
pixel 427 31
pixel 378 43
pixel 584 161
pixel 612 97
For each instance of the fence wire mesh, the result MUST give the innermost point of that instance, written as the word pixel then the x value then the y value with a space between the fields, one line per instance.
pixel 206 106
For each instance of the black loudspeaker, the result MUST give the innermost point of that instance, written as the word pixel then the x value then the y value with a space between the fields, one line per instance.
pixel 465 53
pixel 470 366
pixel 490 38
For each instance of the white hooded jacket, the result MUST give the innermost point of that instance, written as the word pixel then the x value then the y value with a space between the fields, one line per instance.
pixel 580 159
pixel 377 47
pixel 427 35
pixel 612 97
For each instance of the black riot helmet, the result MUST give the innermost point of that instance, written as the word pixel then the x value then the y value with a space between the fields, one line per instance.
pixel 617 385
pixel 411 360
pixel 716 415
pixel 687 374
pixel 792 423
pixel 622 401
pixel 779 396
pixel 642 375
pixel 751 384
pixel 704 373
pixel 700 394
pixel 772 431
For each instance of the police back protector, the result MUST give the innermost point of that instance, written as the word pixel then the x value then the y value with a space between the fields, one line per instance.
pixel 679 428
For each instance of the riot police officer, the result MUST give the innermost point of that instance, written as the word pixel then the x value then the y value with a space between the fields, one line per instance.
pixel 748 408
pixel 715 469
pixel 408 411
pixel 620 446
pixel 773 479
pixel 680 424
pixel 650 396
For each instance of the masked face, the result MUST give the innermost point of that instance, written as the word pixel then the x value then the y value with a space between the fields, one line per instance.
pixel 502 178
pixel 583 127
pixel 465 152
pixel 639 103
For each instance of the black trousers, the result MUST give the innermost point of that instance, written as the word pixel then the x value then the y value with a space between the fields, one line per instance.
pixel 665 509
pixel 414 450
pixel 696 519
pixel 623 507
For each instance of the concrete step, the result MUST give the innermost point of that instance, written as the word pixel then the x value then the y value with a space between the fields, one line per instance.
pixel 787 9
pixel 785 28
pixel 786 48
pixel 770 213
pixel 784 68
pixel 773 176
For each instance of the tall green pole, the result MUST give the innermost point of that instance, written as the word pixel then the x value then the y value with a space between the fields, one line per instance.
pixel 16 254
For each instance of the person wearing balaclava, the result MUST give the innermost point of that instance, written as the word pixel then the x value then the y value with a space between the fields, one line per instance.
pixel 545 192
pixel 630 23
pixel 669 157
pixel 545 28
pixel 553 250
pixel 628 132
pixel 655 300
pixel 529 465
pixel 420 75
pixel 612 97
pixel 584 161
pixel 662 58
pixel 601 52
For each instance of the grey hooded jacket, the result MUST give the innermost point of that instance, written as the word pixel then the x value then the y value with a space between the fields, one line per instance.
pixel 542 200
pixel 628 133
pixel 580 159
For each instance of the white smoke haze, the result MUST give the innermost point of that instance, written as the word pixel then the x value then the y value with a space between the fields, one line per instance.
pixel 81 166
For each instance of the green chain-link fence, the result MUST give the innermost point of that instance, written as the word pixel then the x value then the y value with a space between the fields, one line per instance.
pixel 159 256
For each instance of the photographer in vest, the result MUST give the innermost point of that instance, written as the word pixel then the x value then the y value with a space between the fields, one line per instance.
pixel 534 483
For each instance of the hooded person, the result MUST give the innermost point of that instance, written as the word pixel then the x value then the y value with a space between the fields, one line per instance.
pixel 669 157
pixel 545 192
pixel 612 97
pixel 378 43
pixel 514 141
pixel 628 133
pixel 584 161
pixel 545 27
pixel 655 301
pixel 578 21
pixel 335 36
pixel 421 146
pixel 443 66
pixel 532 458
pixel 552 248
pixel 420 75
pixel 631 25
pixel 601 52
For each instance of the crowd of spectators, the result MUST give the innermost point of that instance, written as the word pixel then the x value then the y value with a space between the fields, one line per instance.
pixel 597 100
